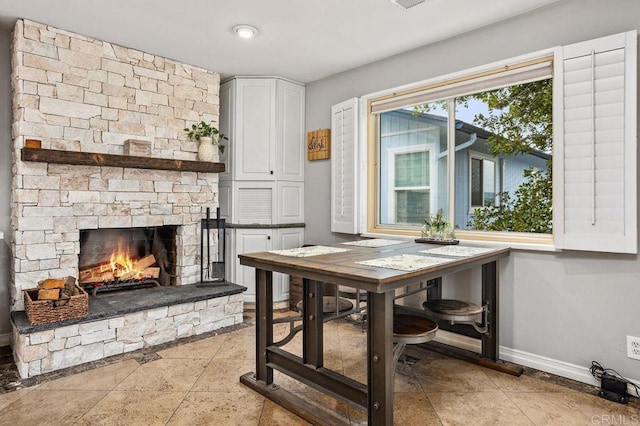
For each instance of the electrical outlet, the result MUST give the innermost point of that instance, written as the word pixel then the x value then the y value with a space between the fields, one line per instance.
pixel 633 347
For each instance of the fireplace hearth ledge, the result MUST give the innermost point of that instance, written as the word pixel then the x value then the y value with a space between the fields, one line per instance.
pixel 123 322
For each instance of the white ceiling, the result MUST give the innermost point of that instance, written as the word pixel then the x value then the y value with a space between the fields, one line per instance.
pixel 303 40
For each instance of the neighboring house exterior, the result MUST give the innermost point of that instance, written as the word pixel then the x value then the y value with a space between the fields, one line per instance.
pixel 413 157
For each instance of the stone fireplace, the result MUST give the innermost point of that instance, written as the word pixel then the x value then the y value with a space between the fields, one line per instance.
pixel 75 93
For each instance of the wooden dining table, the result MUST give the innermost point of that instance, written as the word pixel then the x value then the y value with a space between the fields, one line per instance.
pixel 372 270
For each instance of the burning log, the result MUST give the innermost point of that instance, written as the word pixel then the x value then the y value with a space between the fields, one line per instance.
pixel 96 275
pixel 113 271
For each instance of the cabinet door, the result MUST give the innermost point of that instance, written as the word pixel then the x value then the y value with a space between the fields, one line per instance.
pixel 249 241
pixel 290 138
pixel 255 154
pixel 290 202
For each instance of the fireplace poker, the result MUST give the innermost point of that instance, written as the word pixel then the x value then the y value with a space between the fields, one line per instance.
pixel 208 244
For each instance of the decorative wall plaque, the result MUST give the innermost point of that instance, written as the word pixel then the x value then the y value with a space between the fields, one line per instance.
pixel 319 144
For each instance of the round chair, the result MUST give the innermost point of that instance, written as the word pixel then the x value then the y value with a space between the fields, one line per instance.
pixel 456 312
pixel 411 330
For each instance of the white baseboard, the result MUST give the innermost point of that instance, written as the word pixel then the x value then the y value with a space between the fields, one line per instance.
pixel 542 363
pixel 5 339
pixel 557 367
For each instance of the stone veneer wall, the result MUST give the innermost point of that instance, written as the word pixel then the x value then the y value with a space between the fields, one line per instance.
pixel 45 351
pixel 80 94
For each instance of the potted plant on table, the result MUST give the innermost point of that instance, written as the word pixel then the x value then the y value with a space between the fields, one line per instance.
pixel 208 136
pixel 437 228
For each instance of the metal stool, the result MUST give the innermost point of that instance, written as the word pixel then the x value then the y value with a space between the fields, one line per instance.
pixel 410 330
pixel 458 312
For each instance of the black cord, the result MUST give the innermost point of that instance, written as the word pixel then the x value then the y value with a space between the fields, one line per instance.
pixel 597 371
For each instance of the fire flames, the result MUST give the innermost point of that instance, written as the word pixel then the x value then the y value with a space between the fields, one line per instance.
pixel 121 267
pixel 121 262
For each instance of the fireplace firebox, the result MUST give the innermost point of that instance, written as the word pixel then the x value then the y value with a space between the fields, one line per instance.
pixel 123 258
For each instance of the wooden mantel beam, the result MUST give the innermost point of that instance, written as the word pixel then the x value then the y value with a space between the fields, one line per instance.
pixel 113 160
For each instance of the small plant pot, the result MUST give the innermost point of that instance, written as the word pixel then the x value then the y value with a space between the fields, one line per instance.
pixel 206 150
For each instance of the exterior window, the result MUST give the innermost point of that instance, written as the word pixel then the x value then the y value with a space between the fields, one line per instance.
pixel 411 186
pixel 490 171
pixel 483 182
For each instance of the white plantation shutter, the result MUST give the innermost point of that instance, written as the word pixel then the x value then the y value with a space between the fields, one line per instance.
pixel 344 167
pixel 595 112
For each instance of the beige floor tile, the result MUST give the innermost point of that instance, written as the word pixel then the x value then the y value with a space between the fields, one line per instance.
pixel 238 345
pixel 509 383
pixel 477 408
pixel 413 408
pixel 275 415
pixel 405 380
pixel 219 409
pixel 571 407
pixel 165 375
pixel 102 378
pixel 224 375
pixel 550 408
pixel 10 397
pixel 205 348
pixel 50 407
pixel 452 375
pixel 148 408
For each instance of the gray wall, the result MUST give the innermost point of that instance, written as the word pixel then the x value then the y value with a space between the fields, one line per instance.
pixel 5 177
pixel 575 307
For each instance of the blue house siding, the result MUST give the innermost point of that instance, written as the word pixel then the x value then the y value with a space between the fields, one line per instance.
pixel 400 131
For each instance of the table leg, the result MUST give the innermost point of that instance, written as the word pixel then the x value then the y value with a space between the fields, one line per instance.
pixel 312 296
pixel 380 358
pixel 264 324
pixel 435 291
pixel 490 298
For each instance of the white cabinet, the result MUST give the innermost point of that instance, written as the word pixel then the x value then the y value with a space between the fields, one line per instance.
pixel 262 202
pixel 264 120
pixel 261 192
pixel 249 240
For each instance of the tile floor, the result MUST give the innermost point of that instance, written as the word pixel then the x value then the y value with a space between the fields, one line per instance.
pixel 197 383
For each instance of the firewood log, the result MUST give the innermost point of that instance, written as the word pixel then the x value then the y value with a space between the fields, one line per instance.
pixel 49 294
pixel 50 283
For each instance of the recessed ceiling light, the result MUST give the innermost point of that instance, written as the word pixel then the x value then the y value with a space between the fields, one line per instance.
pixel 245 31
pixel 407 4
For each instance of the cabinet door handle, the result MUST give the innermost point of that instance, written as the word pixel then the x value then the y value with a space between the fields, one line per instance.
pixel 271 172
pixel 268 237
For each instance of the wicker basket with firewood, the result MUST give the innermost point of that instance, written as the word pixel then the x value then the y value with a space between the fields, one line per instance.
pixel 55 300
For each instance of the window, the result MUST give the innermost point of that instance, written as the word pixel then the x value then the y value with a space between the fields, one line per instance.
pixel 495 139
pixel 593 187
pixel 411 186
pixel 483 182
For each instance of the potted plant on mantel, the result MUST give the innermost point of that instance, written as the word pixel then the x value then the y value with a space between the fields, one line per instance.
pixel 208 136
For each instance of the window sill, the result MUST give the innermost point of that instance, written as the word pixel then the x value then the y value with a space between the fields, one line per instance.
pixel 516 242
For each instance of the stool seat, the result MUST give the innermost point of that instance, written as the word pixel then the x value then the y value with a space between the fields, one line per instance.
pixel 413 329
pixel 329 305
pixel 452 310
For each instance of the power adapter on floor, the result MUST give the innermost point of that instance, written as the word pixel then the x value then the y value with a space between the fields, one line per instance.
pixel 613 388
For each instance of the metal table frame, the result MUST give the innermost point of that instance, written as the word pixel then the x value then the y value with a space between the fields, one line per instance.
pixel 375 397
